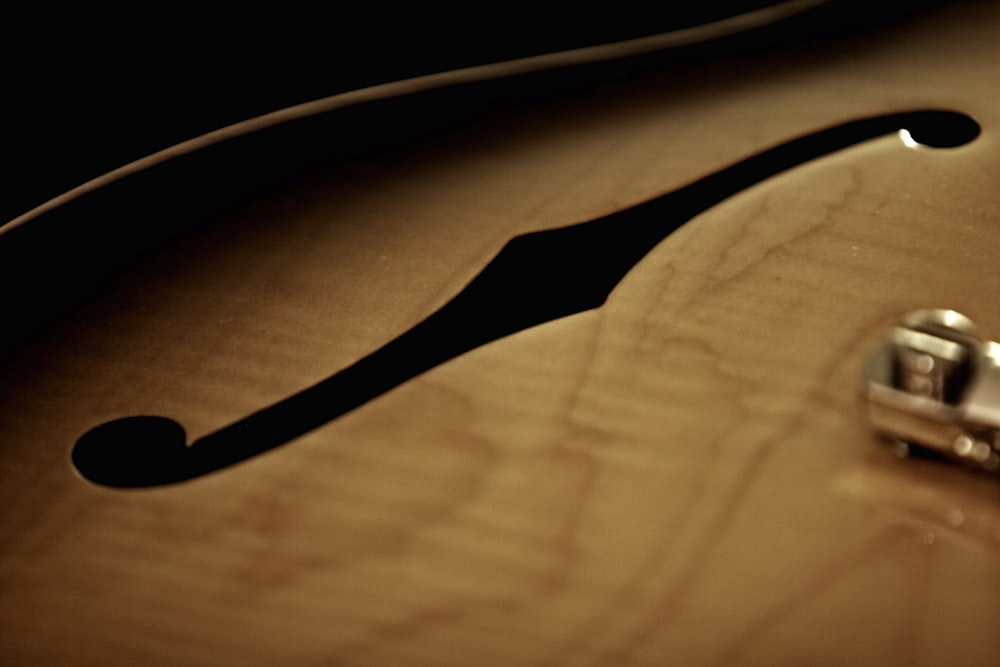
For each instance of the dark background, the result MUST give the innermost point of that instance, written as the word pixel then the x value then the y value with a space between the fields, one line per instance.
pixel 86 92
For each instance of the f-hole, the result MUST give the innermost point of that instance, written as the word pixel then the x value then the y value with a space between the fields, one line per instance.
pixel 535 278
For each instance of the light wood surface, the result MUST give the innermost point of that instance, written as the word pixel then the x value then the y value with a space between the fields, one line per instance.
pixel 684 476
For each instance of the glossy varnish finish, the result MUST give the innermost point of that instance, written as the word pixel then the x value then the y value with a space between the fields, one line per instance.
pixel 682 476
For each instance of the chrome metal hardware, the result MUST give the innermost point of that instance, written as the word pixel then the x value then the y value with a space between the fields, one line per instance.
pixel 934 384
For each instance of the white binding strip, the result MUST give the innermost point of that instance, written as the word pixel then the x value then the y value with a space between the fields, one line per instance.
pixel 592 54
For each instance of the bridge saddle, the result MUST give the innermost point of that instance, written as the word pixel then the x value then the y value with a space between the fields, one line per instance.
pixel 934 385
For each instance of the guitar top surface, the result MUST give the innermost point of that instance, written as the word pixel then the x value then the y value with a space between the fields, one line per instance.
pixel 681 475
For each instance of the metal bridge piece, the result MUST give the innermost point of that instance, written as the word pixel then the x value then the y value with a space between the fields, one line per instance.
pixel 933 384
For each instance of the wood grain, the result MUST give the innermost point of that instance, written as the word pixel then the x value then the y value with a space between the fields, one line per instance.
pixel 683 476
